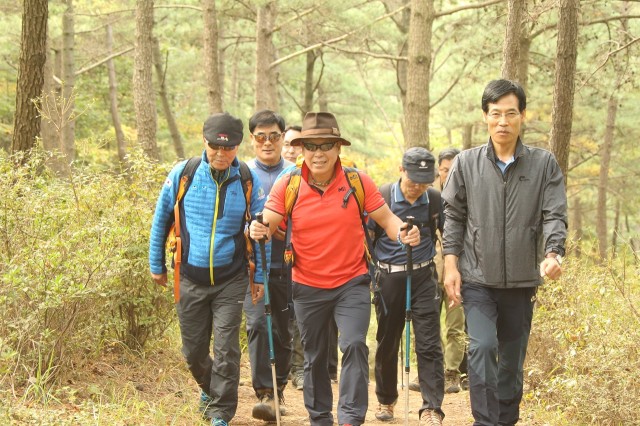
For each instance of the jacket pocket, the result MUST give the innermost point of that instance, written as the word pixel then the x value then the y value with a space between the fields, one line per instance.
pixel 521 254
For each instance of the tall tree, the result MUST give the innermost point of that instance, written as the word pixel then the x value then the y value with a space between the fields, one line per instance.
pixel 143 94
pixel 68 124
pixel 416 115
pixel 603 180
pixel 266 94
pixel 212 70
pixel 511 46
pixel 164 98
pixel 564 86
pixel 33 44
pixel 113 102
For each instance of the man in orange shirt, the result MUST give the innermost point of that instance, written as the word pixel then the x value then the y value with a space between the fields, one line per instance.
pixel 330 272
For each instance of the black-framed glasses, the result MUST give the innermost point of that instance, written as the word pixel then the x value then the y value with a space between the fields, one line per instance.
pixel 262 137
pixel 509 115
pixel 323 146
pixel 221 147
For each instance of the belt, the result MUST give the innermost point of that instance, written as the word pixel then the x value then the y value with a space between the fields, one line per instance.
pixel 390 269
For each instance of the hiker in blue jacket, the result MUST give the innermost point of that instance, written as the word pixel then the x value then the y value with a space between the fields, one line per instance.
pixel 213 277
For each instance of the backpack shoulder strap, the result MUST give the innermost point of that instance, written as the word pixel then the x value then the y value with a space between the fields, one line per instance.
pixel 435 205
pixel 357 189
pixel 246 179
pixel 385 191
pixel 186 176
pixel 291 193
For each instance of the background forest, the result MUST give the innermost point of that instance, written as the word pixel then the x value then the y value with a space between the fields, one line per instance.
pixel 99 99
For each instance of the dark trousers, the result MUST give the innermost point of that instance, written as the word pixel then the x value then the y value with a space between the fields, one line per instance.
pixel 499 323
pixel 350 305
pixel 201 310
pixel 258 338
pixel 427 346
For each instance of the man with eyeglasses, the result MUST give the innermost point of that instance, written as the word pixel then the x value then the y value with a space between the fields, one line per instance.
pixel 330 271
pixel 408 197
pixel 213 275
pixel 505 229
pixel 267 130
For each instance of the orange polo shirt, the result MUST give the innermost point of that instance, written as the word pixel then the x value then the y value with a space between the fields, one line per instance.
pixel 327 238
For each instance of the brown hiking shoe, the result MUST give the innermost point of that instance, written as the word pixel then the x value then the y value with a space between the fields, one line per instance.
pixel 430 418
pixel 265 409
pixel 385 412
pixel 451 381
pixel 414 385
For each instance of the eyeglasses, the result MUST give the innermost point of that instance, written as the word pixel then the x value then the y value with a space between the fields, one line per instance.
pixel 323 147
pixel 496 116
pixel 262 137
pixel 221 147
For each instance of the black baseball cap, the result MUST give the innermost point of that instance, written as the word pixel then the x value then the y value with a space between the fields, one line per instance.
pixel 419 164
pixel 223 129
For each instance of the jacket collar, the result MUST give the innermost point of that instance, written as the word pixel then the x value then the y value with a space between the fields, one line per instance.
pixel 521 150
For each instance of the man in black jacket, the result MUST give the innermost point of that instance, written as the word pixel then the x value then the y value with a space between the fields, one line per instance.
pixel 505 229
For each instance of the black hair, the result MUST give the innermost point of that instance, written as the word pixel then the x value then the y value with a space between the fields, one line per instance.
pixel 447 154
pixel 295 128
pixel 265 117
pixel 497 89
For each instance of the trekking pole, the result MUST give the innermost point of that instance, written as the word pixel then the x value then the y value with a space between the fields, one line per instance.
pixel 407 324
pixel 267 312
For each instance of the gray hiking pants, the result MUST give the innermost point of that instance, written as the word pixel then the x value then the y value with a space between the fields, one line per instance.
pixel 350 305
pixel 499 323
pixel 258 337
pixel 218 308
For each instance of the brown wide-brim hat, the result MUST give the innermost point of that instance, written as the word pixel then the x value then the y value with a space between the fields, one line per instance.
pixel 319 125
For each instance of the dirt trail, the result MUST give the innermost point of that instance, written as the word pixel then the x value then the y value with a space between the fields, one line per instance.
pixel 456 408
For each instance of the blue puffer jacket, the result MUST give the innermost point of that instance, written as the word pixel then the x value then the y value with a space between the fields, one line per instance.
pixel 212 225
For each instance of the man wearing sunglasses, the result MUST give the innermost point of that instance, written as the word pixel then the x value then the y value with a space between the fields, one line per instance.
pixel 213 275
pixel 267 133
pixel 330 271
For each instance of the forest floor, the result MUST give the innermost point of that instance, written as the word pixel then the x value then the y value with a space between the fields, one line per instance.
pixel 123 388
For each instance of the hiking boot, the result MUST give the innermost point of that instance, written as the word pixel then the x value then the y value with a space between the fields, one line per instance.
pixel 385 412
pixel 414 385
pixel 464 382
pixel 265 409
pixel 298 380
pixel 204 405
pixel 217 421
pixel 430 418
pixel 451 381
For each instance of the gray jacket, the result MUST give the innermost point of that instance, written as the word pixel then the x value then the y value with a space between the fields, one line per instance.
pixel 500 227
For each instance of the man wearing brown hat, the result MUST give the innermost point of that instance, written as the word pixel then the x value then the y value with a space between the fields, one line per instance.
pixel 213 275
pixel 410 197
pixel 330 272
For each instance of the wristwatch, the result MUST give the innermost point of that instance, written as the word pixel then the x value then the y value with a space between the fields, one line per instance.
pixel 557 257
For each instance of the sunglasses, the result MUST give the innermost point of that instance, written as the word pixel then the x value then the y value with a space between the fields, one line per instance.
pixel 323 147
pixel 221 147
pixel 262 138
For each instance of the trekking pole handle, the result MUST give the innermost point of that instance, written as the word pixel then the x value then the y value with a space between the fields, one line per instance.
pixel 260 220
pixel 409 248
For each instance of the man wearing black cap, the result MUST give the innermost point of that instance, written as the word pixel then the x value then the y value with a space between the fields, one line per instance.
pixel 213 276
pixel 408 197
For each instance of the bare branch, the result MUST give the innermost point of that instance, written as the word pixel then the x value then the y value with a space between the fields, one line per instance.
pixel 468 7
pixel 585 23
pixel 450 88
pixel 336 39
pixel 609 55
pixel 293 19
pixel 369 53
pixel 102 61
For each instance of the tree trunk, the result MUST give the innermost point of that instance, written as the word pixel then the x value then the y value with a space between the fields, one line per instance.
pixel 214 92
pixel 616 230
pixel 308 83
pixel 144 98
pixel 564 86
pixel 577 226
pixel 33 45
pixel 266 77
pixel 603 181
pixel 467 136
pixel 113 103
pixel 323 102
pixel 48 132
pixel 511 47
pixel 171 121
pixel 68 123
pixel 416 121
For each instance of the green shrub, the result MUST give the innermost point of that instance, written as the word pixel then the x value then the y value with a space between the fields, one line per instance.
pixel 583 361
pixel 74 266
